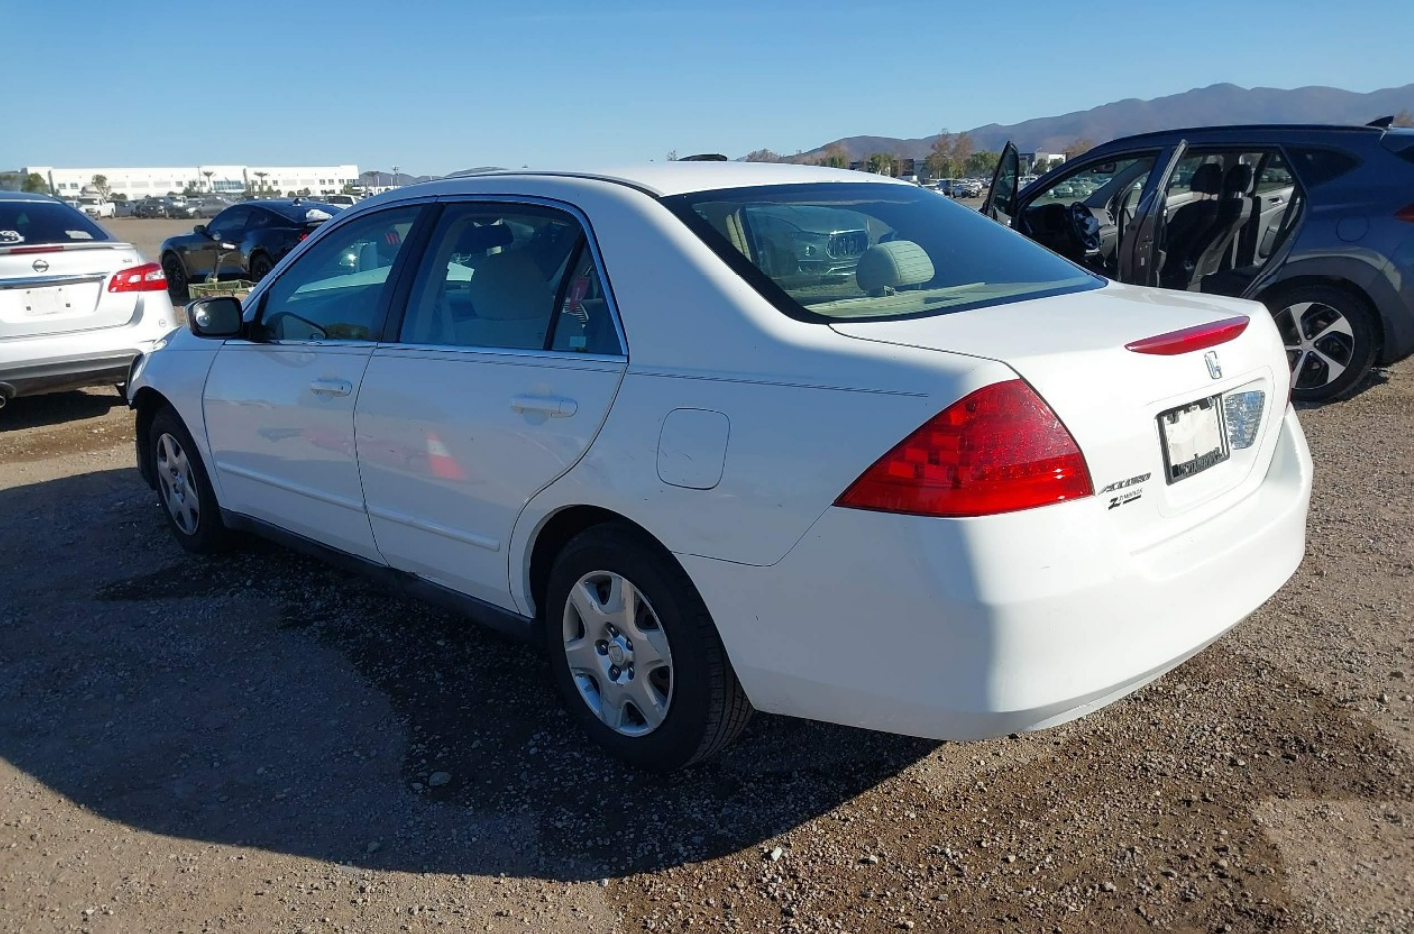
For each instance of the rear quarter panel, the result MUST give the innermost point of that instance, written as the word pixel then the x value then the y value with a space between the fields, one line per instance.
pixel 808 409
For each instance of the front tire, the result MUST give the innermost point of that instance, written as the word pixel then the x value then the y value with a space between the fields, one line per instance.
pixel 176 274
pixel 635 654
pixel 183 487
pixel 260 266
pixel 1330 338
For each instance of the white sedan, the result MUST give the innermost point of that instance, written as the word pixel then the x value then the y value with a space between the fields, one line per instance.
pixel 730 436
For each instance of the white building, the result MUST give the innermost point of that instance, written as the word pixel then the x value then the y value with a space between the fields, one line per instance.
pixel 220 179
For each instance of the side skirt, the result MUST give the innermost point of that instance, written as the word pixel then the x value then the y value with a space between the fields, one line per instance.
pixel 508 623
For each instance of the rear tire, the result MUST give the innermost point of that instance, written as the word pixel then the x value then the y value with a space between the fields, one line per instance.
pixel 647 678
pixel 184 489
pixel 1330 337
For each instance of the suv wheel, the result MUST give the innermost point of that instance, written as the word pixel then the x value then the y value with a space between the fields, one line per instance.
pixel 635 654
pixel 1330 339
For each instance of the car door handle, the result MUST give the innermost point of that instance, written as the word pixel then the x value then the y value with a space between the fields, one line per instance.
pixel 331 387
pixel 553 406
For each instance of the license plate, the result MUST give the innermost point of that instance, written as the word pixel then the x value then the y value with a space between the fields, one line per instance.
pixel 1193 438
pixel 39 302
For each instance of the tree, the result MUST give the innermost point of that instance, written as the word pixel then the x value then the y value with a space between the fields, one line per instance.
pixel 1079 147
pixel 1403 118
pixel 100 184
pixel 962 150
pixel 208 173
pixel 36 183
pixel 835 157
pixel 982 163
pixel 261 188
pixel 190 190
pixel 950 154
pixel 881 163
pixel 8 180
pixel 672 155
pixel 762 155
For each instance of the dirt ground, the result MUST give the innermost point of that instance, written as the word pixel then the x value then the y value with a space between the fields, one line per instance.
pixel 246 744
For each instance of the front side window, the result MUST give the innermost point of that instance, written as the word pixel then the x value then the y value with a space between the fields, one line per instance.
pixel 334 291
pixel 491 276
pixel 832 251
pixel 229 224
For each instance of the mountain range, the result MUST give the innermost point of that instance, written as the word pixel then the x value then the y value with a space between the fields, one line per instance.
pixel 1214 105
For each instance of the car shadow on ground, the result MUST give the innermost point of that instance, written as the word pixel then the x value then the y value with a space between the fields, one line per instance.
pixel 57 408
pixel 265 700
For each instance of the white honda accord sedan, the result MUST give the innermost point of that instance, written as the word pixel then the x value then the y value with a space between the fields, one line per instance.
pixel 727 437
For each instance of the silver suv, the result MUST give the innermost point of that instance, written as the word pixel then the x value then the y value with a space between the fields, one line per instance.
pixel 76 306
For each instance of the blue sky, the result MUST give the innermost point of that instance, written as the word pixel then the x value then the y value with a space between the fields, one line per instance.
pixel 439 85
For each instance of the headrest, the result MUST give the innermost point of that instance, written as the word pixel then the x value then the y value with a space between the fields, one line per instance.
pixel 1239 180
pixel 476 239
pixel 891 265
pixel 509 286
pixel 1208 180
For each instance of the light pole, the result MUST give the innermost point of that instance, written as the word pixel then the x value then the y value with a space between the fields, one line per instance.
pixel 393 183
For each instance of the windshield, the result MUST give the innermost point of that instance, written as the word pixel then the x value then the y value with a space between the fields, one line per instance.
pixel 45 222
pixel 832 251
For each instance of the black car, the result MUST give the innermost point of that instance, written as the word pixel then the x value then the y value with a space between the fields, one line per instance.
pixel 1315 222
pixel 247 240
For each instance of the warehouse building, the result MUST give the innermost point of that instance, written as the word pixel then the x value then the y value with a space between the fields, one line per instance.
pixel 218 179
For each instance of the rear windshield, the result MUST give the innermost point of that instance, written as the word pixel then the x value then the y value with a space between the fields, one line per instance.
pixel 306 212
pixel 842 251
pixel 45 222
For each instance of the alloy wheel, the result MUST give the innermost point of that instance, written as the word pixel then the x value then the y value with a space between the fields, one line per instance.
pixel 618 653
pixel 178 484
pixel 1320 343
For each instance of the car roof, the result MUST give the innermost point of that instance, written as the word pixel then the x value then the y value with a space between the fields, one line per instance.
pixel 26 196
pixel 676 178
pixel 1261 132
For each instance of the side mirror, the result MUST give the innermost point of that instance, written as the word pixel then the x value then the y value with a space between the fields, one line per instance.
pixel 199 229
pixel 217 318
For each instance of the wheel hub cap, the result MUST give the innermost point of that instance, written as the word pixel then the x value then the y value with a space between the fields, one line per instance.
pixel 618 653
pixel 1319 341
pixel 177 485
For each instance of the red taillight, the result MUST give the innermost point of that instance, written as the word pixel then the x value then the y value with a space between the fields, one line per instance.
pixel 1198 337
pixel 145 278
pixel 1405 213
pixel 997 450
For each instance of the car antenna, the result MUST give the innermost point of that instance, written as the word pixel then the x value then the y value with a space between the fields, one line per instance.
pixel 1384 123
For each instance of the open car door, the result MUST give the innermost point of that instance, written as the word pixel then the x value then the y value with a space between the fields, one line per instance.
pixel 1141 236
pixel 1000 203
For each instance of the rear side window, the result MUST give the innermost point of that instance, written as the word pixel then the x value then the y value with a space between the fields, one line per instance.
pixel 833 251
pixel 45 222
pixel 1315 166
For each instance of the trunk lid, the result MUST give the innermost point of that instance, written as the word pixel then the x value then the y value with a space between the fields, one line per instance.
pixel 60 288
pixel 1071 349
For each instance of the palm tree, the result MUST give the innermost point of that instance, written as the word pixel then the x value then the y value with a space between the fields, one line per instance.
pixel 208 173
pixel 260 190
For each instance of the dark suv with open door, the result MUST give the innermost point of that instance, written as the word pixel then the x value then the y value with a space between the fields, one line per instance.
pixel 1316 222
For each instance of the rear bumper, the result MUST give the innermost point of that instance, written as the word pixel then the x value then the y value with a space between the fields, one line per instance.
pixel 65 373
pixel 964 629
